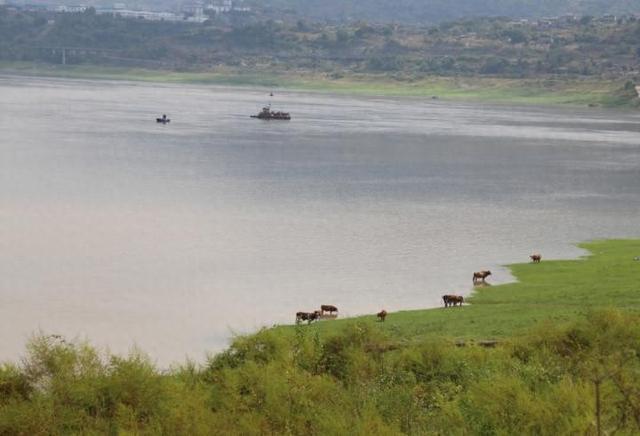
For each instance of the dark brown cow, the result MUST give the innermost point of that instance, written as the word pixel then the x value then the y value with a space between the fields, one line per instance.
pixel 382 315
pixel 536 258
pixel 328 308
pixel 452 300
pixel 307 316
pixel 480 275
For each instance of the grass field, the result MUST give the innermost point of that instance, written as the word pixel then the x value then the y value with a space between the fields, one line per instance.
pixel 578 374
pixel 543 91
pixel 554 290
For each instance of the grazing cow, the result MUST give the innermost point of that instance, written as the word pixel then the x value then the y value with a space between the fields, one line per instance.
pixel 314 316
pixel 307 316
pixel 536 258
pixel 480 275
pixel 382 315
pixel 301 316
pixel 328 308
pixel 452 300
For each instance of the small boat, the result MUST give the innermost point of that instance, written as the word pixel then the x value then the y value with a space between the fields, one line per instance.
pixel 163 120
pixel 267 114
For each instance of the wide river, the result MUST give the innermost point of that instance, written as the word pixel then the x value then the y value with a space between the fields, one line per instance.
pixel 173 238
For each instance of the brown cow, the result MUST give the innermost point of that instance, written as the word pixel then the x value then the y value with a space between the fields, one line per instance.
pixel 382 315
pixel 452 300
pixel 480 275
pixel 307 316
pixel 536 258
pixel 328 308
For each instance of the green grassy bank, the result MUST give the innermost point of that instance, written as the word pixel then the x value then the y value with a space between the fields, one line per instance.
pixel 555 291
pixel 568 362
pixel 543 91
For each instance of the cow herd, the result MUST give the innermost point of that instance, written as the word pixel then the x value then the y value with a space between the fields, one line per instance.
pixel 329 309
pixel 479 277
pixel 449 299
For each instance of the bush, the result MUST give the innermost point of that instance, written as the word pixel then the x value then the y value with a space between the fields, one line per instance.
pixel 357 381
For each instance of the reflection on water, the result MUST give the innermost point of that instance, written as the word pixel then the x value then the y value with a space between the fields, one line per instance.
pixel 173 237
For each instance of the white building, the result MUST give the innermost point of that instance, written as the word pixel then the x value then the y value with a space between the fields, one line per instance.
pixel 144 15
pixel 71 9
pixel 226 6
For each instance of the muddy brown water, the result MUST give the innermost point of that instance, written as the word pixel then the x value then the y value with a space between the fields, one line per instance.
pixel 174 237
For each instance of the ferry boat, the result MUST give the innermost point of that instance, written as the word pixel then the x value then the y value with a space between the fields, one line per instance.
pixel 267 114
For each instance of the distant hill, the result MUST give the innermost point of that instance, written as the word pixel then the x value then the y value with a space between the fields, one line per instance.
pixel 435 11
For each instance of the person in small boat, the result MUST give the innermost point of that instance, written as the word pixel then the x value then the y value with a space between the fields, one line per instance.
pixel 164 117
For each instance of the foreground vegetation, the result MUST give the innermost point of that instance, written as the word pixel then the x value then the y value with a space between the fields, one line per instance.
pixel 566 363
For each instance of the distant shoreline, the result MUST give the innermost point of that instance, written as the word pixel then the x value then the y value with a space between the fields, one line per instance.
pixel 532 91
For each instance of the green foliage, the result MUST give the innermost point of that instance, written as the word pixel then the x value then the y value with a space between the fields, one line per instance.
pixel 494 65
pixel 514 36
pixel 556 376
pixel 365 383
pixel 466 47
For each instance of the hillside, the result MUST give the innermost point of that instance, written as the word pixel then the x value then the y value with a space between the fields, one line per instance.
pixel 588 48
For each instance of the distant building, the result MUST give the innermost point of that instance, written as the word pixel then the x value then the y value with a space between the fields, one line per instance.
pixel 194 12
pixel 226 6
pixel 568 19
pixel 71 9
pixel 140 15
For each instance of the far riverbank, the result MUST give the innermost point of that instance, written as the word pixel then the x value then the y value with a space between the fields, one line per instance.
pixel 530 91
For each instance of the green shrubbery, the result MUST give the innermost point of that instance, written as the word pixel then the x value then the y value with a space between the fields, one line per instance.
pixel 564 364
pixel 355 381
